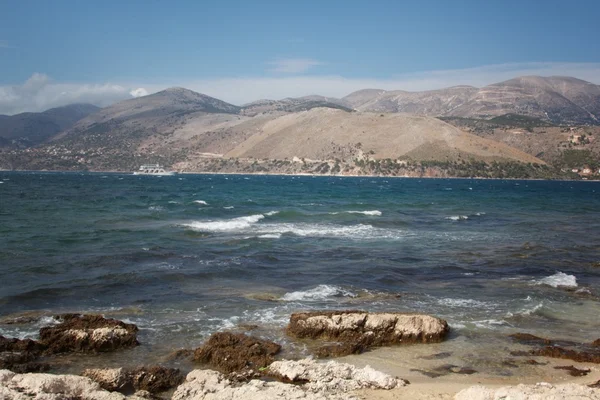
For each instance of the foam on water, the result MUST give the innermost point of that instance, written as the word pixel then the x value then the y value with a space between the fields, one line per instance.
pixel 270 236
pixel 458 218
pixel 201 202
pixel 271 213
pixel 560 279
pixel 355 232
pixel 319 293
pixel 235 224
pixel 371 212
pixel 228 207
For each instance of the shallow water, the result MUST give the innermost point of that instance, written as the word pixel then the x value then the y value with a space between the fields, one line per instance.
pixel 188 255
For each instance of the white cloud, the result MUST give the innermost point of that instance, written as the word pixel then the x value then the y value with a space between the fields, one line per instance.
pixel 40 93
pixel 139 92
pixel 293 65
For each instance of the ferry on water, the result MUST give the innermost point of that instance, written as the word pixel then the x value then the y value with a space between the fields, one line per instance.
pixel 153 169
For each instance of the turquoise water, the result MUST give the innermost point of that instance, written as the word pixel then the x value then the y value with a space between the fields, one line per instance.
pixel 188 255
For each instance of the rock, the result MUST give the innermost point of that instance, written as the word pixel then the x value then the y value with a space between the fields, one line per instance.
pixel 437 356
pixel 111 379
pixel 559 352
pixel 229 352
pixel 331 376
pixel 529 339
pixel 322 381
pixel 595 385
pixel 87 333
pixel 153 379
pixel 212 385
pixel 573 371
pixel 156 379
pixel 180 354
pixel 596 343
pixel 363 330
pixel 52 387
pixel 540 391
pixel 340 350
pixel 20 355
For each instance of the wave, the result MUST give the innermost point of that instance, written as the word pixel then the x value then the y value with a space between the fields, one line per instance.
pixel 372 212
pixel 228 208
pixel 234 224
pixel 248 227
pixel 458 218
pixel 201 202
pixel 559 279
pixel 321 292
pixel 270 236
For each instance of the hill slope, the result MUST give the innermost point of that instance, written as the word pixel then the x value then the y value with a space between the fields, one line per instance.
pixel 560 100
pixel 34 128
pixel 324 133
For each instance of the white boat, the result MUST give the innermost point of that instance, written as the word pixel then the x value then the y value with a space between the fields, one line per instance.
pixel 153 169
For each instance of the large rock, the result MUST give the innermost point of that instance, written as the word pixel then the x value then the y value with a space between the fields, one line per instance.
pixel 540 391
pixel 53 387
pixel 231 352
pixel 154 379
pixel 20 355
pixel 332 376
pixel 87 333
pixel 330 381
pixel 358 330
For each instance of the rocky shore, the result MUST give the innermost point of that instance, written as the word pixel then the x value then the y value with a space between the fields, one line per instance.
pixel 232 365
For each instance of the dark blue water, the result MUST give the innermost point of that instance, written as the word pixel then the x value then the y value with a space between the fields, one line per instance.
pixel 187 255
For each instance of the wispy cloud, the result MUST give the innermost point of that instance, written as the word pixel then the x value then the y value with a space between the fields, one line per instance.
pixel 40 92
pixel 293 65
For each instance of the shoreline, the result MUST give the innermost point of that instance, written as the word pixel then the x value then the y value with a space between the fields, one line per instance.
pixel 299 175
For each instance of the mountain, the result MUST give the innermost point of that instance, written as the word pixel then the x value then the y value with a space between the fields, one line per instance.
pixel 559 100
pixel 325 133
pixel 293 105
pixel 34 128
pixel 131 122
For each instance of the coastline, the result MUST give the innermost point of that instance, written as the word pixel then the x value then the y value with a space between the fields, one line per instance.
pixel 299 175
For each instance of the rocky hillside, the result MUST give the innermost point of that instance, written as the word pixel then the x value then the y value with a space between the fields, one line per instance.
pixel 559 100
pixel 29 129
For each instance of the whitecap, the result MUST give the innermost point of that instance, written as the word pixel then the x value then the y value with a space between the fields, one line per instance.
pixel 271 213
pixel 560 279
pixel 321 292
pixel 357 232
pixel 228 208
pixel 155 208
pixel 270 236
pixel 201 202
pixel 466 303
pixel 458 217
pixel 372 212
pixel 173 202
pixel 234 224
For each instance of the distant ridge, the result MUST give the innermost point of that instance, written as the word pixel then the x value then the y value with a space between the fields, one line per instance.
pixel 556 99
pixel 29 129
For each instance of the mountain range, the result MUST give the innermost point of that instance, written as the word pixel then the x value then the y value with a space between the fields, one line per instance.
pixel 181 127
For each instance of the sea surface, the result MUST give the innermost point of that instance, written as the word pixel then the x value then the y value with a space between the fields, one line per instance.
pixel 188 255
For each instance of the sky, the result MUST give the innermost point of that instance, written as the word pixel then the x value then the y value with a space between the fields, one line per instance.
pixel 58 52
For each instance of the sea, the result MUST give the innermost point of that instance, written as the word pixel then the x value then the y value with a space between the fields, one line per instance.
pixel 188 255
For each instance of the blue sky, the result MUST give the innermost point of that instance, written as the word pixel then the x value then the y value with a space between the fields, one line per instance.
pixel 245 50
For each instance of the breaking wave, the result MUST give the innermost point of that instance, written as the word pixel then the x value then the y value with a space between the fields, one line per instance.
pixel 319 293
pixel 234 224
pixel 559 279
pixel 201 202
pixel 371 212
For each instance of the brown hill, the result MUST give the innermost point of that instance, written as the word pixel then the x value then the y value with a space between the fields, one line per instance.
pixel 323 133
pixel 560 100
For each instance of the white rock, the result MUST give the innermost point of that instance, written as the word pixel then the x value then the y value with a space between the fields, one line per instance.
pixel 53 387
pixel 334 376
pixel 540 391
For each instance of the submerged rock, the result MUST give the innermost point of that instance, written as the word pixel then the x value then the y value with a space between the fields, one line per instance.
pixel 88 333
pixel 560 352
pixel 53 387
pixel 540 391
pixel 359 330
pixel 573 371
pixel 321 381
pixel 153 379
pixel 231 352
